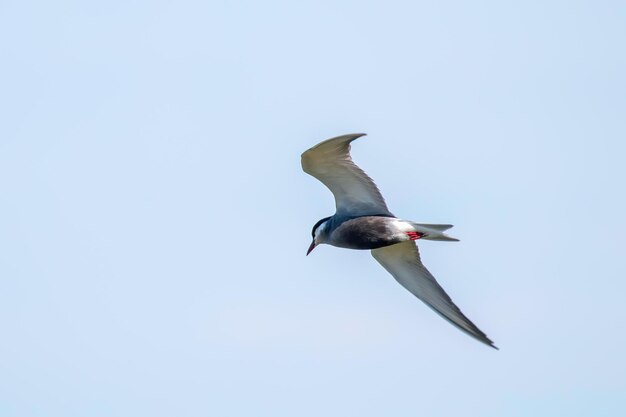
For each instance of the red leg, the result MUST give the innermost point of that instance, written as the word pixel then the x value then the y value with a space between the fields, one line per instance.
pixel 414 235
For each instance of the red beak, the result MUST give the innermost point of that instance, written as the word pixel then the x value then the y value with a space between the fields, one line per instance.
pixel 310 248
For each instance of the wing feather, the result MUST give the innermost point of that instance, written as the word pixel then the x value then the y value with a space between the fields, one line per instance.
pixel 403 261
pixel 355 193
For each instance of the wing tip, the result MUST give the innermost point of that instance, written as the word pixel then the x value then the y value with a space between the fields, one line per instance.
pixel 491 344
pixel 347 137
pixel 308 155
pixel 484 339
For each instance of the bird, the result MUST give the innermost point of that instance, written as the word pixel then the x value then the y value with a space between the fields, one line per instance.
pixel 363 221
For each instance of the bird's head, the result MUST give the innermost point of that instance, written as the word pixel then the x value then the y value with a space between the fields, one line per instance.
pixel 318 233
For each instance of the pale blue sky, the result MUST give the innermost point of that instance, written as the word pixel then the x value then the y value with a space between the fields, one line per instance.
pixel 154 217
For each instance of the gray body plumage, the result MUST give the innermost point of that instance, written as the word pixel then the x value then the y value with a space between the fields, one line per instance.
pixel 365 232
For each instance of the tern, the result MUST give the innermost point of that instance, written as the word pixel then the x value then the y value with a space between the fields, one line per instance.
pixel 363 221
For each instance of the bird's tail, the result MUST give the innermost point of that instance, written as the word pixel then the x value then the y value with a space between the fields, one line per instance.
pixel 434 231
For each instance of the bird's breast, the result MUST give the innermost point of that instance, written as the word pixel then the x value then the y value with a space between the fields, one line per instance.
pixel 368 232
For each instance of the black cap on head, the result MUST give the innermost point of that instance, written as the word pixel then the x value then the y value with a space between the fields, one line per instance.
pixel 318 225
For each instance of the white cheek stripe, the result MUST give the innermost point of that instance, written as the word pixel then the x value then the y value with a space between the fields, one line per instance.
pixel 320 228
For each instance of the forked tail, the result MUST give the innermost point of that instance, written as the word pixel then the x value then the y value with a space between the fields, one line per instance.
pixel 434 231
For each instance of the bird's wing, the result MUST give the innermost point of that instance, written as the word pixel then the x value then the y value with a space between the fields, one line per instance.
pixel 355 193
pixel 402 260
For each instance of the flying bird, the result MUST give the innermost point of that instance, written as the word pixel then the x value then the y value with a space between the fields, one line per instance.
pixel 363 221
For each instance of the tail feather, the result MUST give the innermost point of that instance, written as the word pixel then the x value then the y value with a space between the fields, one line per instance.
pixel 440 227
pixel 434 231
pixel 442 237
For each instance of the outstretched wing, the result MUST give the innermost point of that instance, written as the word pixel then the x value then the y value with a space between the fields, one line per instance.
pixel 355 193
pixel 402 260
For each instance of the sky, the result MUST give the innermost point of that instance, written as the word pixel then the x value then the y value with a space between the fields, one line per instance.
pixel 154 217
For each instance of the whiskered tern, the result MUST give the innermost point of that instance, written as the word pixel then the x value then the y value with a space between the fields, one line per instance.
pixel 363 221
